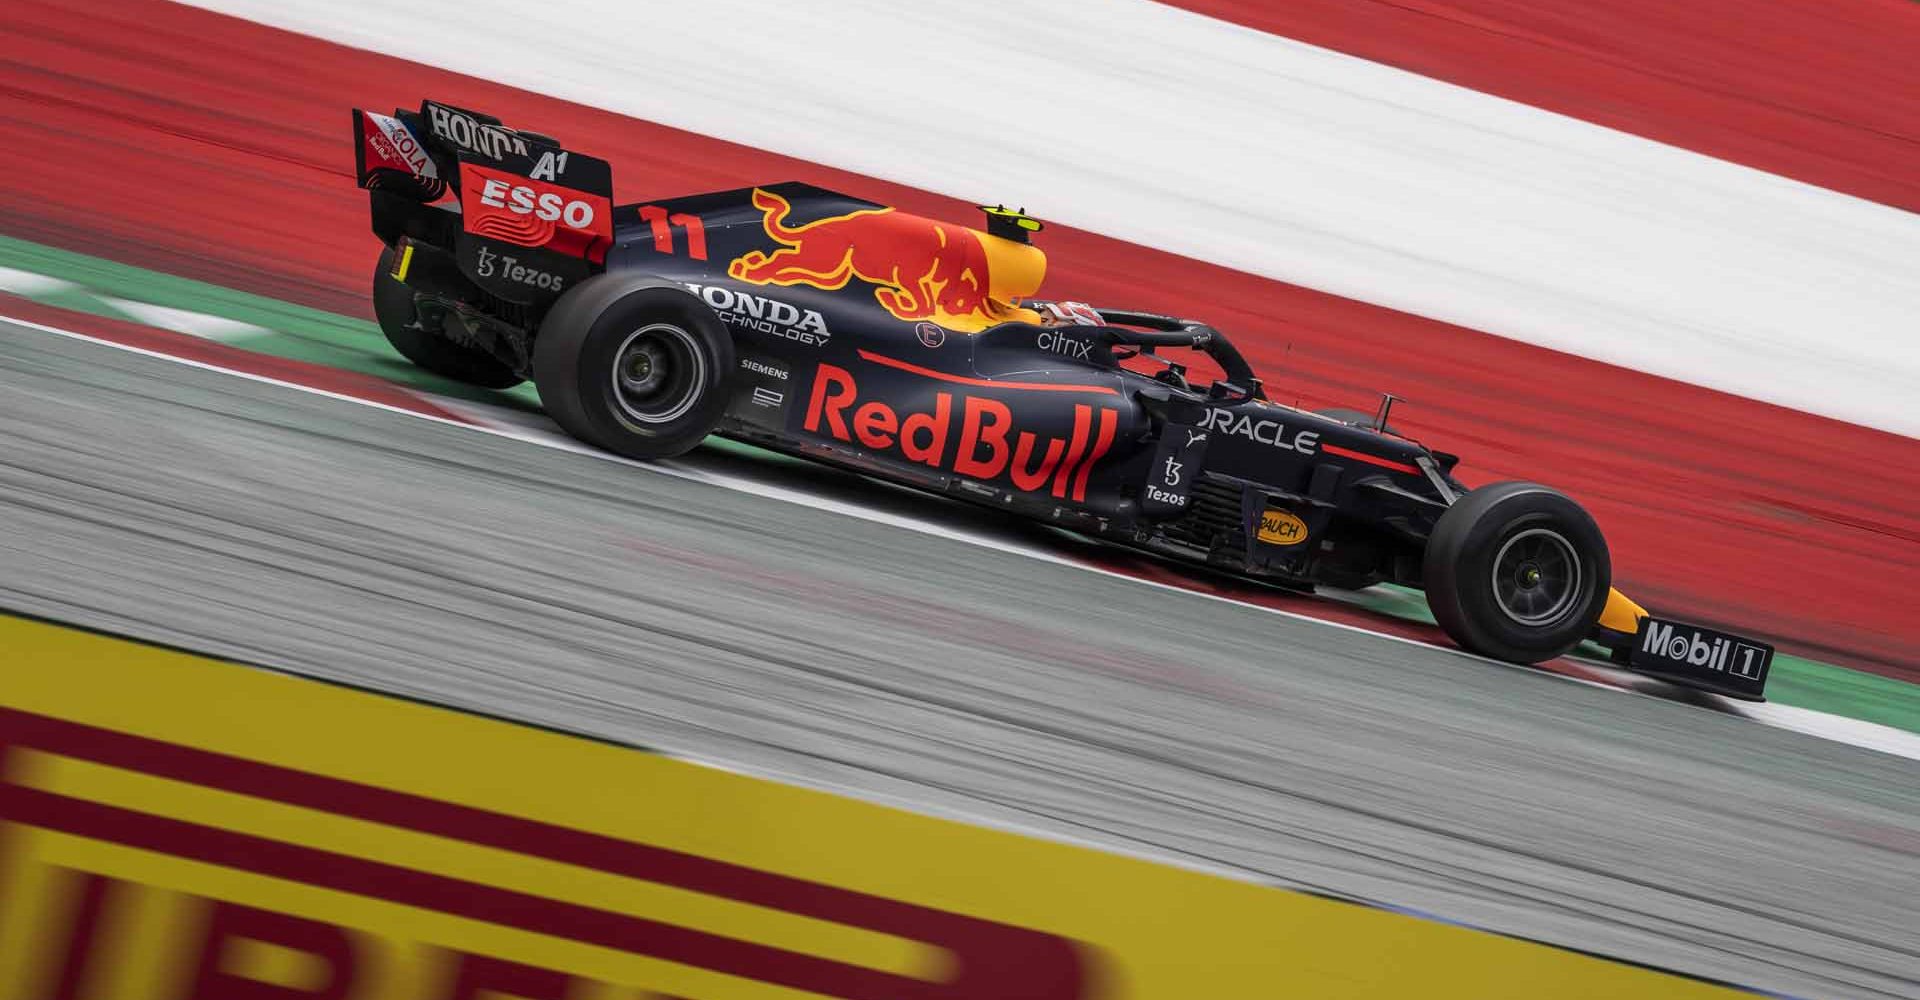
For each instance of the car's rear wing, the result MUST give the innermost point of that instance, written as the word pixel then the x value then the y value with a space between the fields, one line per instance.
pixel 529 218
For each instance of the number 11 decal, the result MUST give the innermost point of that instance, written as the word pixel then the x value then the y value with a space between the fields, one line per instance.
pixel 663 230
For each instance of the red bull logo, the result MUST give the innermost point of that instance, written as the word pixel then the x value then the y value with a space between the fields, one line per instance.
pixel 989 446
pixel 920 269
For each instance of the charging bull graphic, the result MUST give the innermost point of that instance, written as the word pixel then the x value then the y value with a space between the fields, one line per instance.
pixel 921 269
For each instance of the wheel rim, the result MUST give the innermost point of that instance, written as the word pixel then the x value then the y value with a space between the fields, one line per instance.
pixel 1536 577
pixel 657 373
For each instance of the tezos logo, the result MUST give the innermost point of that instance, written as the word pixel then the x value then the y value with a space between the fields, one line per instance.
pixel 511 269
pixel 764 315
pixel 1159 495
pixel 529 276
pixel 930 334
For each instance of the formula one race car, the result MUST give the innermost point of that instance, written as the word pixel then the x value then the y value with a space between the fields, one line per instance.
pixel 827 327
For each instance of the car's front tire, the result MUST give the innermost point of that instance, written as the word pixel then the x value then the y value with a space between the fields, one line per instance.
pixel 1517 571
pixel 393 307
pixel 634 365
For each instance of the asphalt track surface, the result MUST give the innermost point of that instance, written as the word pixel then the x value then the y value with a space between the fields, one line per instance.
pixel 349 542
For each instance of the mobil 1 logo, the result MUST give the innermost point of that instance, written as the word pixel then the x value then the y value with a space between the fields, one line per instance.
pixel 1715 659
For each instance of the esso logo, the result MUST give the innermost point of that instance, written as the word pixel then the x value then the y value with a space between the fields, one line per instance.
pixel 546 205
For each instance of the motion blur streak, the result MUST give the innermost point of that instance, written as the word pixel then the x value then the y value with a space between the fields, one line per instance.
pixel 175 129
pixel 1822 91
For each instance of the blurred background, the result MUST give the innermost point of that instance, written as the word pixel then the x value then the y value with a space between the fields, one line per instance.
pixel 1657 255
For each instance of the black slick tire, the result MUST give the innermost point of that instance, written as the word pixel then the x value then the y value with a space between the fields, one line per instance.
pixel 393 307
pixel 1517 572
pixel 633 364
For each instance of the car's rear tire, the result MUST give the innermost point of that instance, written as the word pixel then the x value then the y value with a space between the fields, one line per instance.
pixel 632 364
pixel 1517 571
pixel 393 307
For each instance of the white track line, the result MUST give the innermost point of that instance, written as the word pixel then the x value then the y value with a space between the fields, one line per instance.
pixel 195 324
pixel 31 284
pixel 1838 728
pixel 506 423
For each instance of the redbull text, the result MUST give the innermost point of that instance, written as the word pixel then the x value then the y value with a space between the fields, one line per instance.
pixel 988 446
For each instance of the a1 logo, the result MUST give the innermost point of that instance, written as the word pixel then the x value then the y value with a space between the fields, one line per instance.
pixel 551 163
